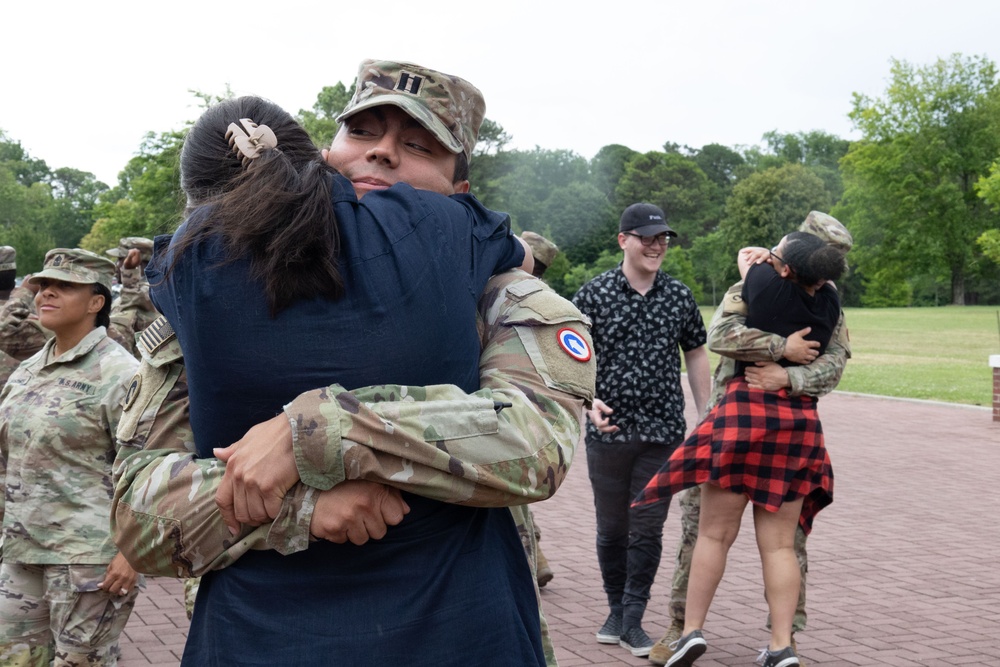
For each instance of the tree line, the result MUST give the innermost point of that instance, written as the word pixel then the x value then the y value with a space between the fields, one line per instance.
pixel 920 192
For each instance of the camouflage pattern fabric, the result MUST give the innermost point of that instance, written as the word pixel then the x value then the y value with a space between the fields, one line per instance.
pixel 21 334
pixel 525 522
pixel 728 336
pixel 56 615
pixel 164 515
pixel 191 585
pixel 449 107
pixel 7 362
pixel 132 311
pixel 413 438
pixel 59 416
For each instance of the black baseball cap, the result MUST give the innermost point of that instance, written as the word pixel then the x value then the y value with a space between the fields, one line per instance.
pixel 645 220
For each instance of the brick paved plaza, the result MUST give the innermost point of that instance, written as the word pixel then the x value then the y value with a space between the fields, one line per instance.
pixel 904 566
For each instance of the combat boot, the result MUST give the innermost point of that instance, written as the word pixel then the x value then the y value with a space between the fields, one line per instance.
pixel 661 650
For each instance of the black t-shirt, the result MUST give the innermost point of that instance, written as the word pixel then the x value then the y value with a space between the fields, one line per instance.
pixel 781 306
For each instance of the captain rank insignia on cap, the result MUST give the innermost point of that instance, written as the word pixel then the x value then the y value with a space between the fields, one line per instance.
pixel 574 345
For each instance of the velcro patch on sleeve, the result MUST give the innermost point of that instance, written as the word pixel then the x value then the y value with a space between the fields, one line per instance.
pixel 574 344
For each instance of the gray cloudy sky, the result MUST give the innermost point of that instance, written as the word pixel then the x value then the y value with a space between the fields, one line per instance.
pixel 82 82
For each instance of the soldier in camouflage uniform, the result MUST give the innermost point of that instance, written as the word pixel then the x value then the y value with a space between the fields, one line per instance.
pixel 525 369
pixel 729 337
pixel 65 591
pixel 132 311
pixel 21 335
pixel 543 252
pixel 8 277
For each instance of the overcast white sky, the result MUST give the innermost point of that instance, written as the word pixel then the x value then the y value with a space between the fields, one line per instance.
pixel 82 82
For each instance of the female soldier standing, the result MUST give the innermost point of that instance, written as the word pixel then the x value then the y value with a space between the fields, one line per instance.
pixel 65 591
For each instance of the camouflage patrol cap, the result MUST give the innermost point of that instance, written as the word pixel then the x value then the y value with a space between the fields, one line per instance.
pixel 7 258
pixel 76 266
pixel 542 249
pixel 830 230
pixel 143 245
pixel 451 108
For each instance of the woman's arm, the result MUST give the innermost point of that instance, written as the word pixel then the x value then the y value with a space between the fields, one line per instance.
pixel 511 442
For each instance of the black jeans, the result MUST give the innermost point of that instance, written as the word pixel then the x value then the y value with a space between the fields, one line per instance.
pixel 629 540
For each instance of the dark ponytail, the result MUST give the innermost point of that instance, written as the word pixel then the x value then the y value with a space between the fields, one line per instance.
pixel 274 209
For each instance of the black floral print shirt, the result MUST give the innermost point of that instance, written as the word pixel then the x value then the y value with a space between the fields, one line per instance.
pixel 636 340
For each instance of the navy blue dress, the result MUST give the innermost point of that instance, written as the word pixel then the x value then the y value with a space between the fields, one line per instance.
pixel 448 586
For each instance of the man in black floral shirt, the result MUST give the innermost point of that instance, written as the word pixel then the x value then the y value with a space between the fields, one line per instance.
pixel 641 317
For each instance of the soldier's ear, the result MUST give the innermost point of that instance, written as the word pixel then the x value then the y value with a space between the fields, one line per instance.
pixel 96 303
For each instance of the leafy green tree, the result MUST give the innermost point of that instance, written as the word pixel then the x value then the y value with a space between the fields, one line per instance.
pixel 910 194
pixel 321 121
pixel 607 169
pixel 767 205
pixel 581 273
pixel 148 199
pixel 492 139
pixel 26 170
pixel 721 165
pixel 528 179
pixel 713 267
pixel 673 182
pixel 572 213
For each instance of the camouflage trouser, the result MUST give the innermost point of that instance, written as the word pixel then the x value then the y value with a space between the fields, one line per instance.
pixel 690 504
pixel 56 615
pixel 524 520
pixel 190 593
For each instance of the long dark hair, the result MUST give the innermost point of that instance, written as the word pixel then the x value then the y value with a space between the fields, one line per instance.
pixel 276 210
pixel 811 259
pixel 103 316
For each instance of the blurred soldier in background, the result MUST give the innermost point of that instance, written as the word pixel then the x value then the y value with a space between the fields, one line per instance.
pixel 132 311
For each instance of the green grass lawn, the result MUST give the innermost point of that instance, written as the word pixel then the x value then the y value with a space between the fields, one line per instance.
pixel 939 354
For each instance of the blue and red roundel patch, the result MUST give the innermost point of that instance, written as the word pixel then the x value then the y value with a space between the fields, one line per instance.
pixel 574 345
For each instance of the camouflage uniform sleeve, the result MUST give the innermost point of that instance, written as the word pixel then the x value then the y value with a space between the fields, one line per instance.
pixel 21 335
pixel 163 517
pixel 823 375
pixel 132 311
pixel 729 336
pixel 509 443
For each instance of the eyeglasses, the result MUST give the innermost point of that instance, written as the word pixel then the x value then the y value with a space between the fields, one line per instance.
pixel 776 255
pixel 662 239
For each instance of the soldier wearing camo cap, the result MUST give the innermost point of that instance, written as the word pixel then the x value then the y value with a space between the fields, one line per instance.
pixel 20 333
pixel 126 244
pixel 520 318
pixel 729 337
pixel 543 251
pixel 449 107
pixel 65 591
pixel 8 278
pixel 132 311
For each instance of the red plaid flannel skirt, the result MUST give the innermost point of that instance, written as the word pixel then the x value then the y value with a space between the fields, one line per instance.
pixel 764 444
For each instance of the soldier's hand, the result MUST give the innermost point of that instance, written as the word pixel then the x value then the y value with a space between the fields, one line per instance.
pixel 599 417
pixel 260 468
pixel 800 350
pixel 767 375
pixel 756 255
pixel 30 286
pixel 357 511
pixel 132 259
pixel 120 578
